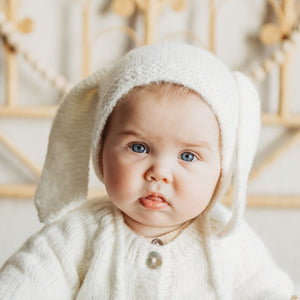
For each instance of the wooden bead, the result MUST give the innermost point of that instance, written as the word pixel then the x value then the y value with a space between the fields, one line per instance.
pixel 124 8
pixel 279 56
pixel 40 67
pixel 28 56
pixel 50 74
pixel 6 28
pixel 2 18
pixel 25 25
pixel 68 87
pixel 259 74
pixel 60 82
pixel 268 65
pixel 19 47
pixel 179 5
pixel 295 36
pixel 270 34
pixel 287 46
pixel 13 39
pixel 36 65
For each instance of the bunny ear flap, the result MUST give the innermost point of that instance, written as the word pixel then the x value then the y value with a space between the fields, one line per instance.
pixel 64 181
pixel 246 145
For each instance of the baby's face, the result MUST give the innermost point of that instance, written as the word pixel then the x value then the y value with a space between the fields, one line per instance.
pixel 161 160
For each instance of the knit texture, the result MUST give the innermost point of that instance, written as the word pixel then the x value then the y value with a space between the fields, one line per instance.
pixel 231 96
pixel 189 66
pixel 91 254
pixel 207 256
pixel 64 181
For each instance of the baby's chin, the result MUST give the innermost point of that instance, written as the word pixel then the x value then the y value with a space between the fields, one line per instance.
pixel 151 227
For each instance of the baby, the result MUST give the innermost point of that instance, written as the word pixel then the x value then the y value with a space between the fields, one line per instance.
pixel 160 143
pixel 169 127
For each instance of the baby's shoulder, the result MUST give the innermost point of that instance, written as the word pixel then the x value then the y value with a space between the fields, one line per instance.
pixel 218 218
pixel 85 220
pixel 92 211
pixel 243 233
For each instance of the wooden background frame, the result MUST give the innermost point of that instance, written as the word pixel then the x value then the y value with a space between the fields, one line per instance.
pixel 283 34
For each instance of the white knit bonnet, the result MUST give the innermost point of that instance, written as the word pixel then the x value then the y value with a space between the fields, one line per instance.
pixel 82 115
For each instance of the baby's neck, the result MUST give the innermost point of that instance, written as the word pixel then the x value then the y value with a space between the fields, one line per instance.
pixel 149 231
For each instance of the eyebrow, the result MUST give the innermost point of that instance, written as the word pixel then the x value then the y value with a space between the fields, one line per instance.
pixel 130 132
pixel 198 145
pixel 183 144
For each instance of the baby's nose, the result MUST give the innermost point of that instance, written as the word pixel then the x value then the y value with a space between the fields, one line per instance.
pixel 159 171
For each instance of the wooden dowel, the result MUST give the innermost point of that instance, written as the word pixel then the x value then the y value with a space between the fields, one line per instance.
pixel 17 191
pixel 28 112
pixel 23 191
pixel 11 77
pixel 212 25
pixel 286 24
pixel 20 156
pixel 287 121
pixel 86 47
pixel 289 10
pixel 272 157
pixel 127 30
pixel 3 7
pixel 267 201
pixel 151 14
pixel 278 11
pixel 11 60
pixel 92 193
pixel 187 34
pixel 283 87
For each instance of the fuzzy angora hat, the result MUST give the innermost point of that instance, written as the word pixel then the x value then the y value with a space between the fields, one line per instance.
pixel 84 111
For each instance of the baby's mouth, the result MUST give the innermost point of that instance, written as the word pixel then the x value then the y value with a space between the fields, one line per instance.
pixel 153 201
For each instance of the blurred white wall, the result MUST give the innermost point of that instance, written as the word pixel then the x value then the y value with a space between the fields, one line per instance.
pixel 56 41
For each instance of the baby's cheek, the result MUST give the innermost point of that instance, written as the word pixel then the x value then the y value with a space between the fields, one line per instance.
pixel 198 185
pixel 121 183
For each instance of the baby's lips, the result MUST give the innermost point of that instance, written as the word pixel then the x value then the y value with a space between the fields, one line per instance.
pixel 155 198
pixel 153 201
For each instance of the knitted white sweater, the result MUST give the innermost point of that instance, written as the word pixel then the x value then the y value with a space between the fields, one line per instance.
pixel 91 254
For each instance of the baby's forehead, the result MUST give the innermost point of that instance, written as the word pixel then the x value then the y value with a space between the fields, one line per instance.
pixel 160 92
pixel 168 101
pixel 166 89
pixel 164 96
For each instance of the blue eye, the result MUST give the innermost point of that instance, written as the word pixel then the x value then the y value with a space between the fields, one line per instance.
pixel 187 156
pixel 138 148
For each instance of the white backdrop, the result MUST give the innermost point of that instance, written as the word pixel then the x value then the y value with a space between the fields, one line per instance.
pixel 56 41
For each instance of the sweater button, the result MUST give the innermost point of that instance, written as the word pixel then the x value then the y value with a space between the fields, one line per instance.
pixel 154 260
